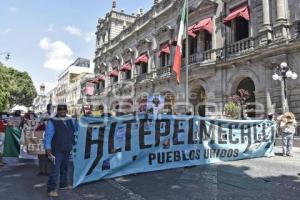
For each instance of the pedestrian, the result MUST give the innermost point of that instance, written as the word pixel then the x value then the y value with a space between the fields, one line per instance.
pixel 270 116
pixel 44 162
pixel 2 137
pixel 29 124
pixel 12 139
pixel 287 124
pixel 59 139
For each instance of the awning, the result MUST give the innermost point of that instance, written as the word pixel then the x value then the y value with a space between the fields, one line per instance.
pixel 113 73
pixel 164 49
pixel 101 78
pixel 142 59
pixel 191 32
pixel 93 81
pixel 98 79
pixel 242 11
pixel 126 67
pixel 205 24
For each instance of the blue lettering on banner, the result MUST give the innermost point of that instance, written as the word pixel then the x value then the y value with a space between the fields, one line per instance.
pixel 111 147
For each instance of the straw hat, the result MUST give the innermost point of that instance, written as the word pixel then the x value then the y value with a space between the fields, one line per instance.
pixel 288 117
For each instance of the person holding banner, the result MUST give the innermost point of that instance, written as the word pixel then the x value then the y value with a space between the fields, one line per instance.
pixel 59 139
pixel 29 124
pixel 12 137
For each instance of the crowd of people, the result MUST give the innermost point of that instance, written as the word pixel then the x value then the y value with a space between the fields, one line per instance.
pixel 16 125
pixel 58 140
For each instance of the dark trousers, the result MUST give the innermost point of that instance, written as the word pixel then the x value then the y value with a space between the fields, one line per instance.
pixel 44 164
pixel 58 170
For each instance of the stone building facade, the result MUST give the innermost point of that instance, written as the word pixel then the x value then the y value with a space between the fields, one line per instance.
pixel 233 44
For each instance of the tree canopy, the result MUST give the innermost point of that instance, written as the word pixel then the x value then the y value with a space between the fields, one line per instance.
pixel 15 88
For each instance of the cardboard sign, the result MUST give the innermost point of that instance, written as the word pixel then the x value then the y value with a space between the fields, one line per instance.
pixel 34 142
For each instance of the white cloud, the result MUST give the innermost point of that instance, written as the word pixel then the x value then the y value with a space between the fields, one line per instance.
pixel 58 54
pixel 13 9
pixel 44 43
pixel 51 27
pixel 89 36
pixel 73 30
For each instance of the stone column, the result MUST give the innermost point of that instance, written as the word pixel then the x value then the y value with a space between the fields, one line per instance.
pixel 280 28
pixel 266 13
pixel 265 33
pixel 281 10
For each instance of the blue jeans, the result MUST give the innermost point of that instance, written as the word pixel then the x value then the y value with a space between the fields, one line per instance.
pixel 59 170
pixel 287 143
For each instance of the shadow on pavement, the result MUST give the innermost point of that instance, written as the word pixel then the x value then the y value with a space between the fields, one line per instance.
pixel 223 181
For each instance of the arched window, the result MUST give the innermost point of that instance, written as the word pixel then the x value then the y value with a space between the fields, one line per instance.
pixel 248 85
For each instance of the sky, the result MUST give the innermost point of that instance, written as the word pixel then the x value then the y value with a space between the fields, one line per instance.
pixel 45 36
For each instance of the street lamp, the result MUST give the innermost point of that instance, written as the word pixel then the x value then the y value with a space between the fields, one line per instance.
pixel 282 73
pixel 7 55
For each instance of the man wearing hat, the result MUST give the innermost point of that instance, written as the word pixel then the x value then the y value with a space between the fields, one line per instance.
pixel 287 124
pixel 59 138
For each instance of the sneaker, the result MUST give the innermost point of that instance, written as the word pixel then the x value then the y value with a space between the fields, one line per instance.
pixel 69 187
pixel 284 155
pixel 289 155
pixel 53 194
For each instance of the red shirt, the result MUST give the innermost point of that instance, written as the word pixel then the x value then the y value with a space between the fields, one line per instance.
pixel 41 127
pixel 2 127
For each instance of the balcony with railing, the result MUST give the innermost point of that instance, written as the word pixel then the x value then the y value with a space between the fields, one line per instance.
pixel 99 91
pixel 194 58
pixel 208 55
pixel 240 47
pixel 201 57
pixel 144 77
pixel 164 72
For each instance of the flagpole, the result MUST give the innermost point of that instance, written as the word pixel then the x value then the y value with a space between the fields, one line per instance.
pixel 187 59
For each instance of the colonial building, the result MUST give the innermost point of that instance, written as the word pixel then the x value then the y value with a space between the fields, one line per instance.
pixel 68 90
pixel 39 104
pixel 233 44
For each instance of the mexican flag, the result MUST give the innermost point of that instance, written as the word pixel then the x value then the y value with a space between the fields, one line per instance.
pixel 12 142
pixel 181 36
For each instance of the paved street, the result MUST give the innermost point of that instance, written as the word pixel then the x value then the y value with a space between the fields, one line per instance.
pixel 263 178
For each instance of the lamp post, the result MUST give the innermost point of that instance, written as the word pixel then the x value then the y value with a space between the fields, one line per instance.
pixel 282 73
pixel 7 55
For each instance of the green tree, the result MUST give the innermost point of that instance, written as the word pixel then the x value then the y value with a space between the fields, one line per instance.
pixel 4 87
pixel 15 88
